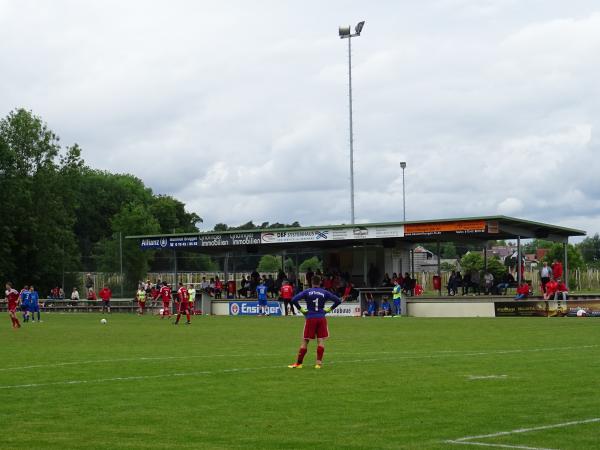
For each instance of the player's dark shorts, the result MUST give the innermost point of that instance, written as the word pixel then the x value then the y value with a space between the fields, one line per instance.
pixel 34 308
pixel 262 302
pixel 106 303
pixel 142 304
pixel 316 327
pixel 24 307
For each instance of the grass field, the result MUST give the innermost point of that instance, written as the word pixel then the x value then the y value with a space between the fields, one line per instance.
pixel 402 383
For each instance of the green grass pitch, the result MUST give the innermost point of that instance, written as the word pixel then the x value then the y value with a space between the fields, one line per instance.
pixel 223 382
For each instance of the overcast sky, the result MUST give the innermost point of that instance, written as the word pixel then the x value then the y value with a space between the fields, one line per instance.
pixel 240 109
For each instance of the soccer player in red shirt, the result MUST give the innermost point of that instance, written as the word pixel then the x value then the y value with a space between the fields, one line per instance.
pixel 557 269
pixel 165 294
pixel 316 323
pixel 287 292
pixel 105 294
pixel 12 299
pixel 184 304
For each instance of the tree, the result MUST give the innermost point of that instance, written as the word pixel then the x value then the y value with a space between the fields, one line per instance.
pixel 589 249
pixel 269 264
pixel 132 219
pixel 448 250
pixel 313 263
pixel 472 261
pixel 556 252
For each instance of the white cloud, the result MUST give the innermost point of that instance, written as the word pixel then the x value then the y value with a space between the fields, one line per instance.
pixel 240 110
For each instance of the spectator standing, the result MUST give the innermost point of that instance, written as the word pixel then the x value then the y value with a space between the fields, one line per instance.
pixel 557 269
pixel 397 297
pixel 91 295
pixel 451 283
pixel 105 296
pixel 89 281
pixel 309 275
pixel 545 274
pixel 488 281
pixel 218 287
pixel 286 293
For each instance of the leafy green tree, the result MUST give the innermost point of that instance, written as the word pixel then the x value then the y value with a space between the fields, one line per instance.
pixel 269 264
pixel 132 219
pixel 556 252
pixel 472 261
pixel 313 263
pixel 448 250
pixel 589 249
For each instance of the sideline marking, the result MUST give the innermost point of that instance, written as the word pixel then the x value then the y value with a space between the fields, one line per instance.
pixel 470 440
pixel 409 355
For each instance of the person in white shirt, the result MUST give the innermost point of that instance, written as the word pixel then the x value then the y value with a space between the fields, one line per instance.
pixel 545 275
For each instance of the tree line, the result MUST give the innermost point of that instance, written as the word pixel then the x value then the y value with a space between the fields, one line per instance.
pixel 59 215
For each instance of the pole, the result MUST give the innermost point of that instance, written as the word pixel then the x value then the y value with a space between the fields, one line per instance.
pixel 351 131
pixel 403 198
pixel 519 278
pixel 566 262
pixel 439 266
pixel 175 286
pixel 121 259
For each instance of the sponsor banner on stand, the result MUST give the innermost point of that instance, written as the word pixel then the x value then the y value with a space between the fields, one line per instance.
pixel 201 240
pixel 346 309
pixel 550 308
pixel 250 308
pixel 438 228
pixel 521 309
pixel 332 234
pixel 591 308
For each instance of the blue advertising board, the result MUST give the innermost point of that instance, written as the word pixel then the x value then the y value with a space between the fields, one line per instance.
pixel 250 308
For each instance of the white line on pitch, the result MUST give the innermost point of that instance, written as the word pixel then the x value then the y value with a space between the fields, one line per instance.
pixel 469 440
pixel 485 444
pixel 409 355
pixel 486 377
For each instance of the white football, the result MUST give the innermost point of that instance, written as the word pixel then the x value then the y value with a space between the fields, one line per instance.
pixel 581 313
pixel 103 321
pixel 161 311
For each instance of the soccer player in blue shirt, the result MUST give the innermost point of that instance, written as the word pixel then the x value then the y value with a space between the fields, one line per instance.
pixel 34 306
pixel 261 292
pixel 316 322
pixel 24 296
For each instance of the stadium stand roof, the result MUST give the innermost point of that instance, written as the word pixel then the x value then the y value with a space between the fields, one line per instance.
pixel 386 234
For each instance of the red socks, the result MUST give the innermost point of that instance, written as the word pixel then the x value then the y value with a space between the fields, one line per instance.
pixel 188 316
pixel 301 354
pixel 320 351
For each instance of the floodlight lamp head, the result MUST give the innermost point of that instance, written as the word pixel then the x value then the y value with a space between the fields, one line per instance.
pixel 403 165
pixel 359 27
pixel 344 31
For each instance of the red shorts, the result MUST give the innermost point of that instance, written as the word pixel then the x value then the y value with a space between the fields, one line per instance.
pixel 316 327
pixel 166 305
pixel 12 307
pixel 142 304
pixel 184 307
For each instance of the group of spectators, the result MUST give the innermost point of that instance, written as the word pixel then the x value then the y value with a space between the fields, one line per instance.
pixel 479 282
pixel 552 284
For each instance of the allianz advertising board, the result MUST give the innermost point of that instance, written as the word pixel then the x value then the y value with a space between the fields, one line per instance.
pixel 251 308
